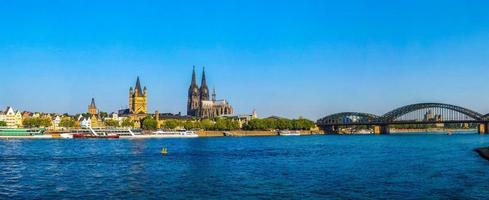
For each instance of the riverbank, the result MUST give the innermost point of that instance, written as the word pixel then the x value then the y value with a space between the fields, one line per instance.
pixel 236 133
pixel 243 133
pixel 394 131
pixel 432 130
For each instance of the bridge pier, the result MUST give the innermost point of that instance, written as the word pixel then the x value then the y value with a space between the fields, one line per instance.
pixel 330 129
pixel 483 128
pixel 381 129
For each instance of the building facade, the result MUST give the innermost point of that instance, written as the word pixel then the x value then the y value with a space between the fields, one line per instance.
pixel 55 122
pixel 12 118
pixel 199 103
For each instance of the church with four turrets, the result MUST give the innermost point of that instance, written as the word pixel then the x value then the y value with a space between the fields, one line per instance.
pixel 138 99
pixel 138 104
pixel 200 104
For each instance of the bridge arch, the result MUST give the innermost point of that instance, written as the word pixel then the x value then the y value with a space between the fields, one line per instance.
pixel 486 117
pixel 347 118
pixel 451 109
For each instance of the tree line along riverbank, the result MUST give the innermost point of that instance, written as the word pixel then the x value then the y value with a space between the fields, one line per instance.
pixel 149 123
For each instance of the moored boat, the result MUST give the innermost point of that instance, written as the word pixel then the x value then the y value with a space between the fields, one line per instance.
pixel 483 152
pixel 164 134
pixel 288 133
pixel 22 133
pixel 90 136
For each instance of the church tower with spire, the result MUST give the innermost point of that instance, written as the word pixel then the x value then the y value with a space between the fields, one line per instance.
pixel 138 103
pixel 92 108
pixel 204 90
pixel 193 101
pixel 214 96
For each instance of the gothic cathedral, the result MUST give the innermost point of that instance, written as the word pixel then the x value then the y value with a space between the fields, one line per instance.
pixel 199 103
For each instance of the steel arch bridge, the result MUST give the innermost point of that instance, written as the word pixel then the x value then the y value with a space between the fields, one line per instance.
pixel 349 118
pixel 399 112
pixel 421 113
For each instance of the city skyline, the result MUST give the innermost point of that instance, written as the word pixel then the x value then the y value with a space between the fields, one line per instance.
pixel 310 59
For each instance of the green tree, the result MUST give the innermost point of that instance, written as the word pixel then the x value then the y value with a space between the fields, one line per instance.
pixel 86 115
pixel 111 123
pixel 2 123
pixel 67 122
pixel 127 123
pixel 223 124
pixel 103 115
pixel 220 125
pixel 282 124
pixel 189 125
pixel 171 124
pixel 37 122
pixel 302 124
pixel 149 123
pixel 206 124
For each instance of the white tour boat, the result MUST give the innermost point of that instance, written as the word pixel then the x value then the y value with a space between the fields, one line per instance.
pixel 289 133
pixel 162 134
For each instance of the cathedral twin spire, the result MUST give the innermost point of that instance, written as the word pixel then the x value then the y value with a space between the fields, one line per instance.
pixel 196 95
pixel 204 89
pixel 194 79
pixel 199 104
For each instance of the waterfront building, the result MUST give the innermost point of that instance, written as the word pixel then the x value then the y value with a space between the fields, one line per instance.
pixel 114 116
pixel 199 103
pixel 94 122
pixel 85 122
pixel 161 118
pixel 11 117
pixel 3 118
pixel 26 114
pixel 56 121
pixel 242 118
pixel 92 108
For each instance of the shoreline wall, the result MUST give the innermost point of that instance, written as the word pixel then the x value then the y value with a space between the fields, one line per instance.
pixel 243 133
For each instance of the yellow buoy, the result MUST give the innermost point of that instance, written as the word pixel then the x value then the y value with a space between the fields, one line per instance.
pixel 164 151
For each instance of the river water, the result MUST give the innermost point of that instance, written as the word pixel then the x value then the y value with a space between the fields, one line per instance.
pixel 409 166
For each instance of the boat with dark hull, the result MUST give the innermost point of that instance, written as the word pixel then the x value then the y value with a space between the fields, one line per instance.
pixel 483 152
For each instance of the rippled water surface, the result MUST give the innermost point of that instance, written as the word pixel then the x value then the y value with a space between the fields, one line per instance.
pixel 311 167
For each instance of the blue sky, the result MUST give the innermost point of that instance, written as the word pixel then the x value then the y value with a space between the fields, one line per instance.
pixel 286 58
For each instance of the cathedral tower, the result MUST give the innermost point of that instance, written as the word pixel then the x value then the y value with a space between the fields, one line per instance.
pixel 138 103
pixel 193 96
pixel 204 90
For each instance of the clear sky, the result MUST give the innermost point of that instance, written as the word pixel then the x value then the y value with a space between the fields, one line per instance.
pixel 287 58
